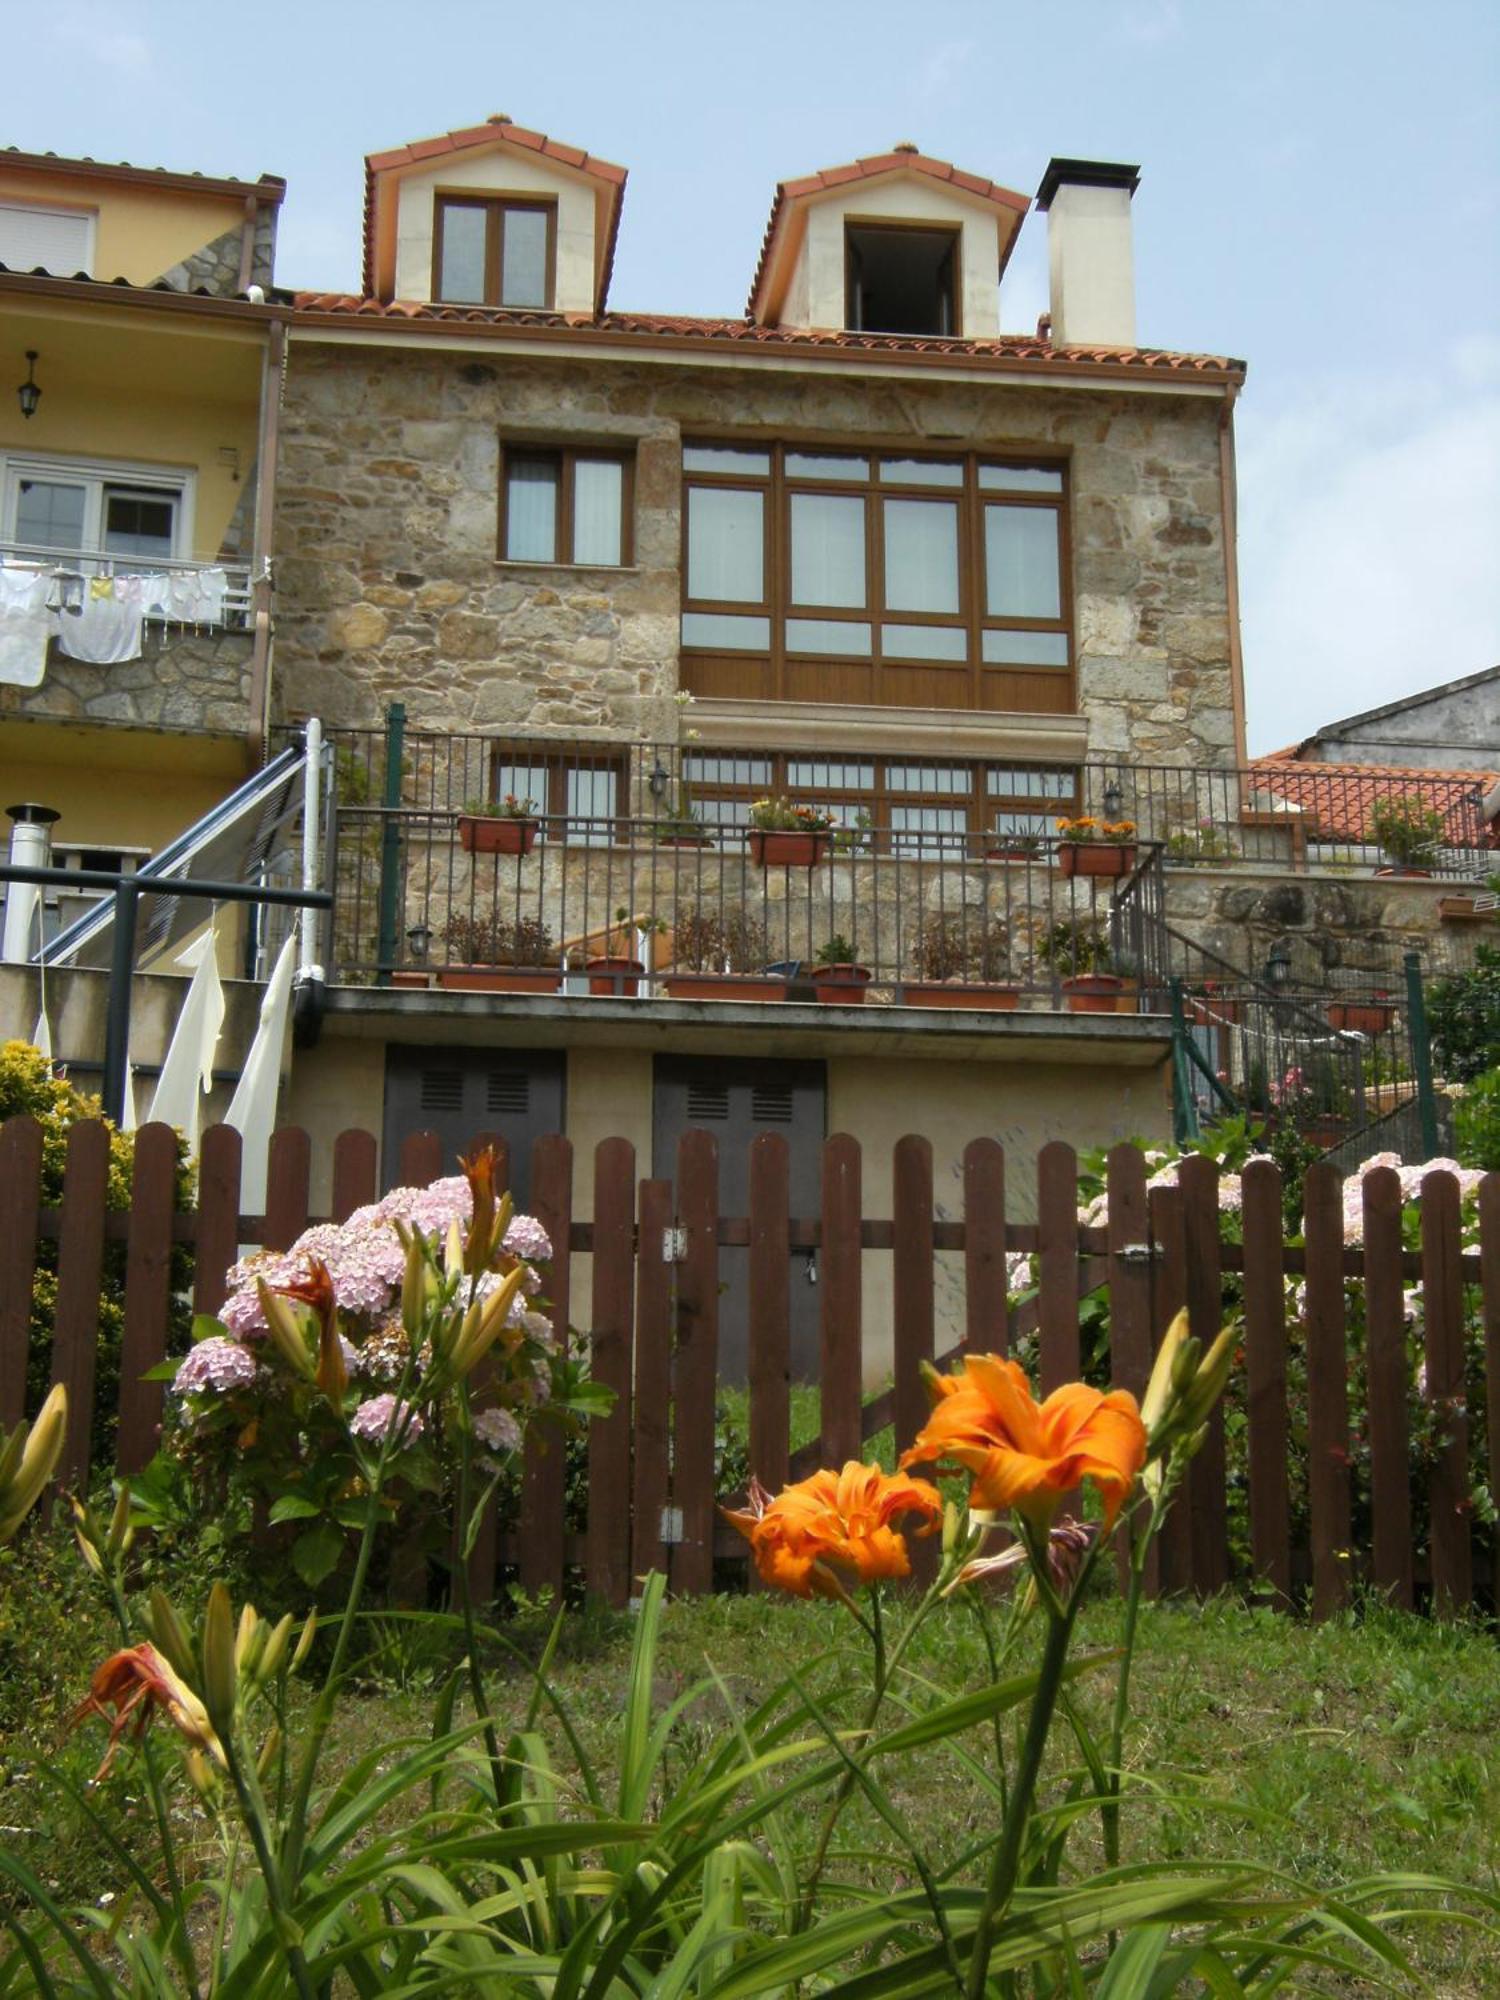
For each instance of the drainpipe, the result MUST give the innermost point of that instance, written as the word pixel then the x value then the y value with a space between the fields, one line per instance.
pixel 272 373
pixel 1229 515
pixel 310 990
pixel 30 847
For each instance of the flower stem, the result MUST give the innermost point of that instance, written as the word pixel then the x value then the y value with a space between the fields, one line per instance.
pixel 252 1814
pixel 466 1602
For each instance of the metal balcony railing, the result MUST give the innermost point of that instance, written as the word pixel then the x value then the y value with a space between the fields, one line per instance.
pixel 70 569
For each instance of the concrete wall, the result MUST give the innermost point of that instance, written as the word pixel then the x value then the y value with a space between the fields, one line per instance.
pixel 1452 729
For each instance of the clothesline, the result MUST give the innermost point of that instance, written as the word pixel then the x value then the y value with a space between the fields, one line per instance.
pixel 95 618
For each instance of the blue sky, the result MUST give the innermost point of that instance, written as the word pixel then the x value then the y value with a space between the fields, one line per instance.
pixel 1320 195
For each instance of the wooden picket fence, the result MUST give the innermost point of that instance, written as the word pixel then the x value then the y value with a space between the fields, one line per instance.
pixel 654 1331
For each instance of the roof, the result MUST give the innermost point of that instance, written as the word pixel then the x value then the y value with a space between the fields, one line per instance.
pixel 472 137
pixel 1403 706
pixel 1339 798
pixel 110 291
pixel 269 189
pixel 903 159
pixel 1006 348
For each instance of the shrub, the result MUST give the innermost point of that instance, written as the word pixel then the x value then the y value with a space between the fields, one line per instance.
pixel 1476 1122
pixel 729 940
pixel 1408 829
pixel 487 938
pixel 1463 1018
pixel 963 945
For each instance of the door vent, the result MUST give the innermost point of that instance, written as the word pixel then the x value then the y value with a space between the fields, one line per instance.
pixel 707 1101
pixel 507 1090
pixel 771 1104
pixel 442 1090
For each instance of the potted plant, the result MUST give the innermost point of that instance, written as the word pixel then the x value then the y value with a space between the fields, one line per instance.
pixel 1079 953
pixel 683 826
pixel 494 954
pixel 616 970
pixel 786 836
pixel 838 977
pixel 1211 1006
pixel 1014 847
pixel 1088 846
pixel 961 959
pixel 1408 832
pixel 720 955
pixel 1365 1016
pixel 1186 846
pixel 502 826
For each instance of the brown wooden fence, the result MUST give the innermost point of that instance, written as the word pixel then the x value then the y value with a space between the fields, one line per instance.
pixel 653 1324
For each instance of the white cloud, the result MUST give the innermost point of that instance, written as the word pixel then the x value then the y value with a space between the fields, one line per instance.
pixel 1369 521
pixel 98 34
pixel 1148 22
pixel 943 71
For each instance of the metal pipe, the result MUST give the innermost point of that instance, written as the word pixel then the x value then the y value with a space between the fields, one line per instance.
pixel 309 957
pixel 1421 1054
pixel 388 933
pixel 30 842
pixel 167 885
pixel 117 1014
pixel 273 372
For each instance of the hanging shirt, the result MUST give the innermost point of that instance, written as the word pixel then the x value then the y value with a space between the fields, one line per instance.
pixel 106 630
pixel 25 627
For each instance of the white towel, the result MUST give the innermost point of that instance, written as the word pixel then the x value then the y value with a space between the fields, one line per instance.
pixel 25 627
pixel 106 630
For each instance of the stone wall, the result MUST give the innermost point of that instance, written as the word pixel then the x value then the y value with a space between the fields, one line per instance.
pixel 183 680
pixel 216 267
pixel 389 587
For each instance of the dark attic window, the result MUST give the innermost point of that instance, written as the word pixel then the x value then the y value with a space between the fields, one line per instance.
pixel 901 279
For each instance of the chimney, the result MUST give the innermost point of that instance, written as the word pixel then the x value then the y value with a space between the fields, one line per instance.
pixel 1087 204
pixel 30 847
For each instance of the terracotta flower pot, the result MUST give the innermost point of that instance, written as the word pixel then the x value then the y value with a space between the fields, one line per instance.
pixel 1095 857
pixel 615 975
pixel 488 835
pixel 498 978
pixel 1364 1017
pixel 1093 992
pixel 1211 1009
pixel 772 847
pixel 986 997
pixel 422 980
pixel 723 986
pixel 841 985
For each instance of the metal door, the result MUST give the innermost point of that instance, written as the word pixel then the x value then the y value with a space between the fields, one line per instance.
pixel 458 1093
pixel 737 1100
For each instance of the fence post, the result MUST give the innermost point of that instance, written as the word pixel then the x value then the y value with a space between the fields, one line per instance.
pixel 769 1360
pixel 653 1380
pixel 986 1275
pixel 1265 1377
pixel 1387 1389
pixel 912 1277
pixel 695 1362
pixel 1327 1389
pixel 20 1199
pixel 387 948
pixel 1421 1054
pixel 1442 1309
pixel 608 1541
pixel 148 1279
pixel 840 1372
pixel 1198 1177
pixel 543 1472
pixel 80 1267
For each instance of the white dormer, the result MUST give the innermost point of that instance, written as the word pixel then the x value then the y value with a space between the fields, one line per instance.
pixel 895 244
pixel 494 215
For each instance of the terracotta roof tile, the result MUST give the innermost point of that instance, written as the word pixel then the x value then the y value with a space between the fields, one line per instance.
pixel 269 189
pixel 1339 798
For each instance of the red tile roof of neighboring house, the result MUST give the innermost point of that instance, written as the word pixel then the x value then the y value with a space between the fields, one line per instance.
pixel 473 136
pixel 747 333
pixel 1339 798
pixel 269 189
pixel 904 159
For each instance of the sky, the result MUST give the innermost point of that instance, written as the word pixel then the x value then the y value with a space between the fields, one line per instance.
pixel 1320 196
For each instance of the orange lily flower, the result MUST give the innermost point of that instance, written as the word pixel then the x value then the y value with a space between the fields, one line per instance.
pixel 1027 1455
pixel 833 1522
pixel 136 1683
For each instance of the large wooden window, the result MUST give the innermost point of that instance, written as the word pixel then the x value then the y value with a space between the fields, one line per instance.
pixel 581 797
pixel 492 251
pixel 815 574
pixel 565 506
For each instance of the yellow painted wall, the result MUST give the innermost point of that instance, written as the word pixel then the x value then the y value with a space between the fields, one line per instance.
pixel 337 1087
pixel 140 232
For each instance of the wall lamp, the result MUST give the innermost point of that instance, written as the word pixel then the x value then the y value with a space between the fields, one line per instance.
pixel 419 942
pixel 659 780
pixel 1114 799
pixel 28 395
pixel 1278 966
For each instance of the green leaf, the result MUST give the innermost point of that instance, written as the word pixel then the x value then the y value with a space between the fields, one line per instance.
pixel 206 1327
pixel 316 1554
pixel 294 1507
pixel 164 1371
pixel 1128 1974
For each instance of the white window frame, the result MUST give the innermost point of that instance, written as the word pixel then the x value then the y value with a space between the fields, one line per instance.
pixel 94 474
pixel 89 217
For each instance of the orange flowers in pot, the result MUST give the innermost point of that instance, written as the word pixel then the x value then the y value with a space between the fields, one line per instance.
pixel 1028 1455
pixel 835 1528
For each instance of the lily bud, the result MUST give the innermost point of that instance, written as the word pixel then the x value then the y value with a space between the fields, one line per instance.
pixel 1185 1367
pixel 333 1374
pixel 453 1252
pixel 953 1527
pixel 121 1534
pixel 473 1345
pixel 1213 1373
pixel 246 1646
pixel 25 1469
pixel 201 1774
pixel 1159 1388
pixel 414 1286
pixel 304 1642
pixel 88 1534
pixel 170 1634
pixel 268 1751
pixel 933 1382
pixel 220 1681
pixel 284 1323
pixel 274 1650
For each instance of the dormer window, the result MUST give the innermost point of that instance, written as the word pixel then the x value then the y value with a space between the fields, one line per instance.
pixel 490 250
pixel 901 278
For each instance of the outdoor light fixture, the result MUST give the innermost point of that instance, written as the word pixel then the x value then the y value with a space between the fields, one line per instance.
pixel 1278 966
pixel 659 780
pixel 1114 799
pixel 419 942
pixel 27 393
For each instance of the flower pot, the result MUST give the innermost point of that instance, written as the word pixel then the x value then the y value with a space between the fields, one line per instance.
pixel 1002 853
pixel 987 997
pixel 1461 910
pixel 1211 1009
pixel 422 980
pixel 1364 1017
pixel 498 978
pixel 683 840
pixel 1324 1130
pixel 723 986
pixel 1095 857
pixel 1093 992
pixel 841 985
pixel 615 975
pixel 487 835
pixel 1402 872
pixel 772 847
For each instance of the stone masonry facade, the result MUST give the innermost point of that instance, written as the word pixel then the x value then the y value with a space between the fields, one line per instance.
pixel 183 680
pixel 216 267
pixel 389 588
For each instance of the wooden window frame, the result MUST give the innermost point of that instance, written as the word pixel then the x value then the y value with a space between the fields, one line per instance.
pixel 894 226
pixel 495 207
pixel 567 457
pixel 972 618
pixel 557 759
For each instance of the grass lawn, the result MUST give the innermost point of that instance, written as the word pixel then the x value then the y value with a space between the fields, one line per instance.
pixel 1365 1744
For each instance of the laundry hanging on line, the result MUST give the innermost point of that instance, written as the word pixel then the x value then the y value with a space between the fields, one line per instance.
pixel 97 619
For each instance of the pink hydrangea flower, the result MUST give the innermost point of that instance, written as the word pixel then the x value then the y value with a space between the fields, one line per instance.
pixel 376 1420
pixel 214 1367
pixel 526 1238
pixel 497 1431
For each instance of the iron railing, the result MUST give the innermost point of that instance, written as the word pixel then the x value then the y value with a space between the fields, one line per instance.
pixel 70 569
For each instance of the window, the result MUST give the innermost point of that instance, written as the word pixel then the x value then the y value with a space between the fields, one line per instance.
pixel 139 514
pixel 491 252
pixel 59 240
pixel 565 506
pixel 901 278
pixel 875 577
pixel 579 797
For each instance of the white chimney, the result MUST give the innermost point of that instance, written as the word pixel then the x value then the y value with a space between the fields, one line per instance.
pixel 30 847
pixel 1087 205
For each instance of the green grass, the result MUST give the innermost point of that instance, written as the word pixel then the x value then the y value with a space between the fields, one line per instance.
pixel 1368 1743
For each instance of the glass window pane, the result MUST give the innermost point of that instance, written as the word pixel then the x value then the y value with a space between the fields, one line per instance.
pixel 721 632
pixel 920 472
pixel 726 544
pixel 724 458
pixel 598 508
pixel 823 775
pixel 699 768
pixel 1021 478
pixel 461 277
pixel 49 514
pixel 1026 649
pixel 921 555
pixel 1029 781
pixel 1020 560
pixel 531 509
pixel 523 258
pixel 521 781
pixel 1034 825
pixel 138 524
pixel 592 792
pixel 828 635
pixel 928 829
pixel 924 642
pixel 828 549
pixel 827 465
pixel 953 779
